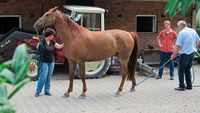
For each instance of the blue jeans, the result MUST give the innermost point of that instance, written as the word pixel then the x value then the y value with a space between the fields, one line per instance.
pixel 46 70
pixel 164 57
pixel 185 64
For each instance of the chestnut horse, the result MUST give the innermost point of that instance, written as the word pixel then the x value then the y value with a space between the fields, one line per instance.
pixel 82 45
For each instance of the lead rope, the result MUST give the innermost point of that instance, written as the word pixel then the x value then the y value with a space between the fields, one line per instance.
pixel 151 75
pixel 193 74
pixel 37 33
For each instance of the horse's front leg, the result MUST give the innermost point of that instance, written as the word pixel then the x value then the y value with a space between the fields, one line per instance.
pixel 72 66
pixel 82 75
pixel 124 72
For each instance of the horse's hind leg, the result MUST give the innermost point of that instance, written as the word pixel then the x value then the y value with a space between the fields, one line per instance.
pixel 72 66
pixel 133 85
pixel 124 72
pixel 82 74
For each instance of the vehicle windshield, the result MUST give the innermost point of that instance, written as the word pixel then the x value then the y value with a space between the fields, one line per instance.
pixel 92 21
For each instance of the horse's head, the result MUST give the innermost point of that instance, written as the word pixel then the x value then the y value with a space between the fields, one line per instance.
pixel 47 20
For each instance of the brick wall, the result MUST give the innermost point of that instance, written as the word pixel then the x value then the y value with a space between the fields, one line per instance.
pixel 30 10
pixel 122 15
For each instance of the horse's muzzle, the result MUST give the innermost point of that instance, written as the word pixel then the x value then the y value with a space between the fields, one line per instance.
pixel 34 26
pixel 37 26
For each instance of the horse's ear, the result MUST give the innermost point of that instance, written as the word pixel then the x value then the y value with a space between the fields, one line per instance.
pixel 70 17
pixel 55 8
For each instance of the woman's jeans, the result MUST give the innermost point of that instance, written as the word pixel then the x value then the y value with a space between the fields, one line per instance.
pixel 185 64
pixel 46 70
pixel 164 57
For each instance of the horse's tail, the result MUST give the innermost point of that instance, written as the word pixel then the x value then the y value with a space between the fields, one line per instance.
pixel 133 57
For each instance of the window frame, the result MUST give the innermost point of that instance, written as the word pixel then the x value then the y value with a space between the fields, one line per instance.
pixel 154 26
pixel 17 16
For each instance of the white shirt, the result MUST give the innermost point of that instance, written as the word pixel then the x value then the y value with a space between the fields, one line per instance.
pixel 187 39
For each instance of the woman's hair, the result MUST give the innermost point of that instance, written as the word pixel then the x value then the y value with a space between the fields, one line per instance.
pixel 49 32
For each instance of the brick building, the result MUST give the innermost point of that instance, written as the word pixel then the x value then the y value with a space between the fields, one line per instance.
pixel 143 16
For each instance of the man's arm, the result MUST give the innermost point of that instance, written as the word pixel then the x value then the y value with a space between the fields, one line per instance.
pixel 176 50
pixel 159 40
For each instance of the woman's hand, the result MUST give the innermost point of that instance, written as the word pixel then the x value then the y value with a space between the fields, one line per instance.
pixel 59 46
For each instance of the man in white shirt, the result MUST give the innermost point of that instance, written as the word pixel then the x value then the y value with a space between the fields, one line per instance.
pixel 186 46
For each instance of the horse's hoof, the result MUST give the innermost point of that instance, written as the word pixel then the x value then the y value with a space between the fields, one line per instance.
pixel 65 95
pixel 118 94
pixel 82 97
pixel 132 90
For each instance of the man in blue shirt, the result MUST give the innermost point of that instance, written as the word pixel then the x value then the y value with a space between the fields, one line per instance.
pixel 186 45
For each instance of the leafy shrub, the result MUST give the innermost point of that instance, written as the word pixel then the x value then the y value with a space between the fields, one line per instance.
pixel 14 73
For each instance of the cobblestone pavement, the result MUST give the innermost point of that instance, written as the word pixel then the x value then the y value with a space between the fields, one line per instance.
pixel 152 96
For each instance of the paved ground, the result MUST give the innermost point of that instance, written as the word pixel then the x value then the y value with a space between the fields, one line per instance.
pixel 152 96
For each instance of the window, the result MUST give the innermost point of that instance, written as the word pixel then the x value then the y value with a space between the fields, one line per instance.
pixel 92 21
pixel 4 1
pixel 80 2
pixel 146 23
pixel 8 22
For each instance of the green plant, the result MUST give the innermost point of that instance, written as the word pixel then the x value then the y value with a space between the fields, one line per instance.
pixel 198 22
pixel 174 6
pixel 13 73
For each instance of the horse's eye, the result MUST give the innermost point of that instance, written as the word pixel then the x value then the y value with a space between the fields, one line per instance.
pixel 47 14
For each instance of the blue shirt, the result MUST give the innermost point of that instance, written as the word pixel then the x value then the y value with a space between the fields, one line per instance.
pixel 187 39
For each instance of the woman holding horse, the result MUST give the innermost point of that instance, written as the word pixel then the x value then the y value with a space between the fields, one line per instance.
pixel 46 50
pixel 82 45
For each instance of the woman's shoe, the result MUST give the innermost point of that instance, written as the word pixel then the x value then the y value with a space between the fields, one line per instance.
pixel 37 95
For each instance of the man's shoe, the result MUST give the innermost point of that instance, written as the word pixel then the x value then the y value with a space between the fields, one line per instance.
pixel 171 78
pixel 37 95
pixel 188 88
pixel 48 94
pixel 180 89
pixel 158 77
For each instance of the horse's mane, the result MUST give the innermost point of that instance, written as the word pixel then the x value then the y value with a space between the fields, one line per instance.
pixel 72 24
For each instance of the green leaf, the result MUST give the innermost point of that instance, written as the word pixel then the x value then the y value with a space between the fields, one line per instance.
pixel 3 95
pixel 3 101
pixel 18 87
pixel 2 80
pixel 5 65
pixel 172 7
pixel 18 57
pixel 8 76
pixel 197 3
pixel 7 110
pixel 3 90
pixel 185 6
pixel 21 74
pixel 198 23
